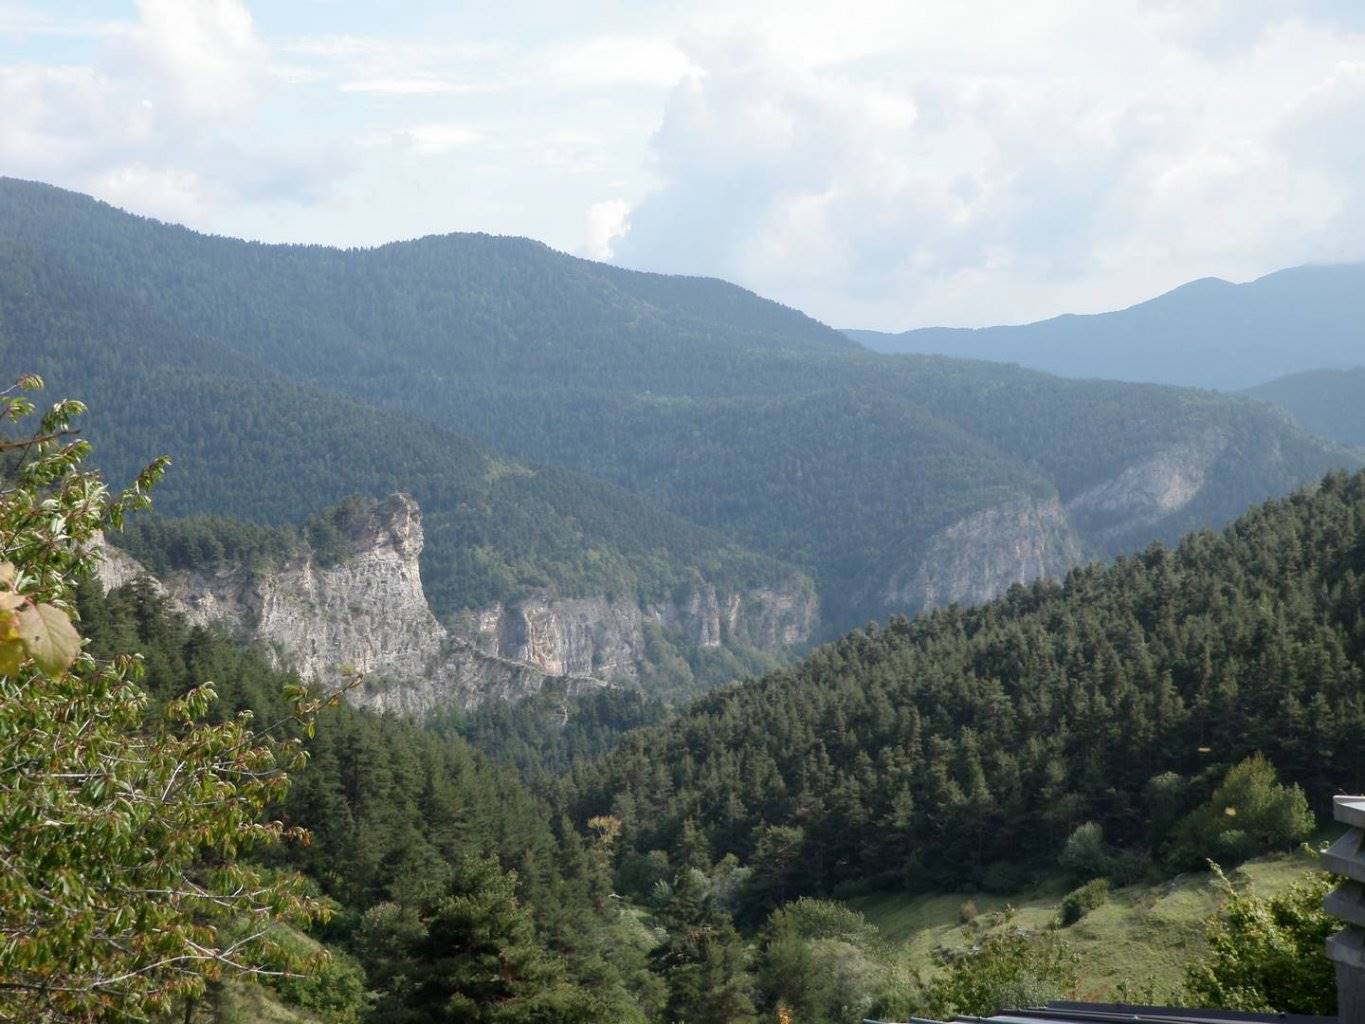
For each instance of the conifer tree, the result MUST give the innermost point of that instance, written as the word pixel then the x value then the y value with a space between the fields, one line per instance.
pixel 702 960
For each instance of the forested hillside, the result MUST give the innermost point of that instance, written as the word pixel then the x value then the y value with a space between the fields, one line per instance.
pixel 1208 333
pixel 411 832
pixel 966 746
pixel 440 863
pixel 1330 403
pixel 307 374
pixel 248 443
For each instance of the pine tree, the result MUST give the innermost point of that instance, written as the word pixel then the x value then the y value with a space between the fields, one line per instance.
pixel 702 960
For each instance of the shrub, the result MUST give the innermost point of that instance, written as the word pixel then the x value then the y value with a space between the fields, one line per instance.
pixel 1249 813
pixel 967 913
pixel 1267 954
pixel 1009 969
pixel 1079 902
pixel 1086 855
pixel 120 822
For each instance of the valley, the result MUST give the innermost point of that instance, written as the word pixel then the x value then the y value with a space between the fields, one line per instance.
pixel 711 666
pixel 671 425
pixel 692 513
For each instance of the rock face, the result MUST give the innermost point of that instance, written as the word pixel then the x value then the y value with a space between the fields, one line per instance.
pixel 605 638
pixel 984 554
pixel 368 612
pixel 1145 493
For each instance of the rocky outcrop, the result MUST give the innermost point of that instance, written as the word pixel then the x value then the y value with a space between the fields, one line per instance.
pixel 367 611
pixel 984 554
pixel 605 637
pixel 1145 493
pixel 115 566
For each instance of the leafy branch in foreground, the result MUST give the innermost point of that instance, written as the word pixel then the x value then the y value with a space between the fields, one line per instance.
pixel 1266 953
pixel 123 891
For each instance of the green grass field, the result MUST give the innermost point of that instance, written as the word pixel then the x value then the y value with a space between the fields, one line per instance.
pixel 1143 937
pixel 246 1003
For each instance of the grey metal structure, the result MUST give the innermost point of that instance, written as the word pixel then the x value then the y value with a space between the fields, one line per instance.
pixel 1346 857
pixel 1124 1013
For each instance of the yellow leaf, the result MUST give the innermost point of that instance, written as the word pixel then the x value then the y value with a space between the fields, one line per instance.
pixel 6 574
pixel 52 641
pixel 12 655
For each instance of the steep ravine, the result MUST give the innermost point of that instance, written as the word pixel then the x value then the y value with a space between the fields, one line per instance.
pixel 368 611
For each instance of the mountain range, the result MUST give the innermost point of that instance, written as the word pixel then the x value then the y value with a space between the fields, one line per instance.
pixel 574 431
pixel 1208 333
pixel 1330 403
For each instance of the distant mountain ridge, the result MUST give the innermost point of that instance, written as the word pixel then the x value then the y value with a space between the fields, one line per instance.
pixel 585 430
pixel 1330 403
pixel 1208 333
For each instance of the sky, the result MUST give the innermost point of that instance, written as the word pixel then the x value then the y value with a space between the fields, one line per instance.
pixel 877 165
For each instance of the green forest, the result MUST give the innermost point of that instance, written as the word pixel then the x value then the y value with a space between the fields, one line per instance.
pixel 1097 727
pixel 643 427
pixel 1327 402
pixel 969 744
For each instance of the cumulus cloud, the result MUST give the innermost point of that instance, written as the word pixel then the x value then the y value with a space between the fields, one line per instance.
pixel 204 53
pixel 168 193
pixel 978 191
pixel 877 164
pixel 607 221
pixel 159 120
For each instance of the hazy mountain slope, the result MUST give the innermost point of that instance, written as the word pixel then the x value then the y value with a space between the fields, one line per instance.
pixel 900 482
pixel 489 307
pixel 1330 403
pixel 1208 333
pixel 925 753
pixel 873 485
pixel 248 443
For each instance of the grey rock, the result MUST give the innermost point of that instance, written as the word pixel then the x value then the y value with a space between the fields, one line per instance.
pixel 984 554
pixel 369 613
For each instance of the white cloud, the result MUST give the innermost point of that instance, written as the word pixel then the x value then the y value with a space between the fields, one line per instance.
pixel 878 163
pixel 166 193
pixel 412 86
pixel 159 120
pixel 205 52
pixel 1108 160
pixel 616 60
pixel 431 139
pixel 607 221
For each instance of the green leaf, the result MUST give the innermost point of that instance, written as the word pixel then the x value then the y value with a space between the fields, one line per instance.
pixel 52 641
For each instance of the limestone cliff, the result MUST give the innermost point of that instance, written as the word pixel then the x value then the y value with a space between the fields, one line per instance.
pixel 366 610
pixel 981 555
pixel 605 637
pixel 1147 492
